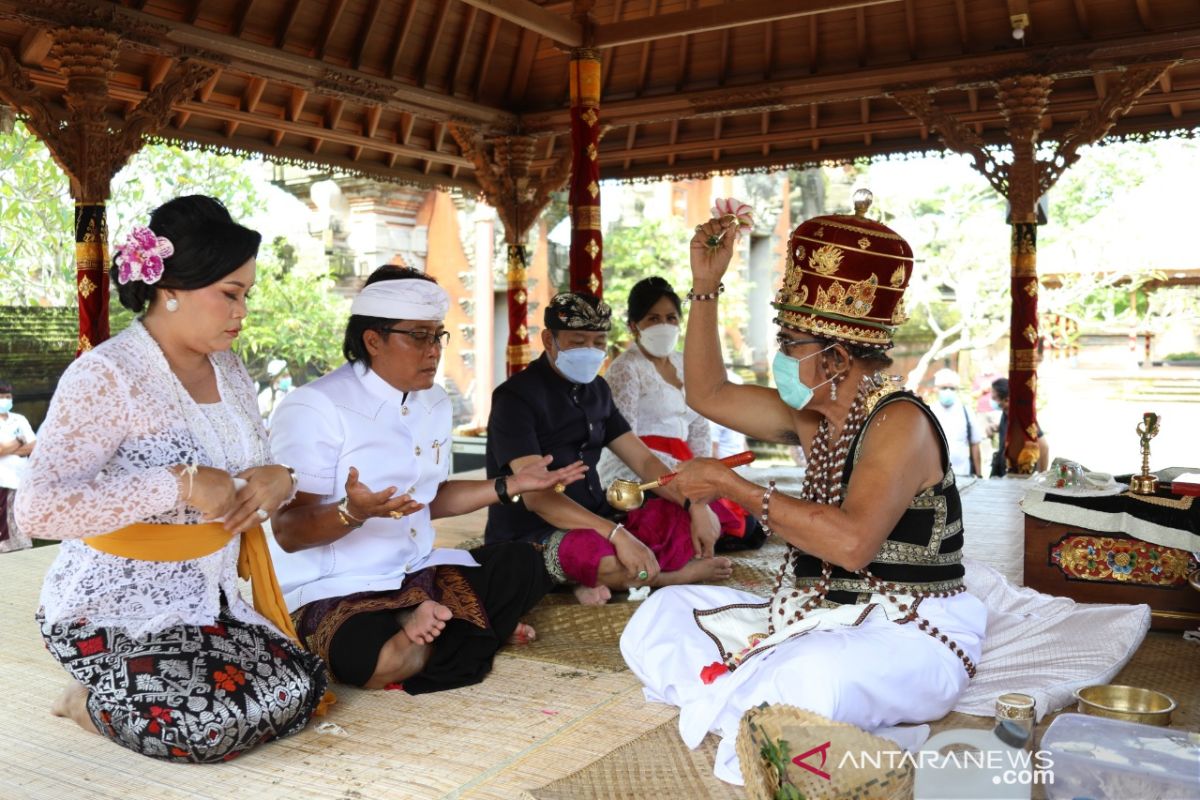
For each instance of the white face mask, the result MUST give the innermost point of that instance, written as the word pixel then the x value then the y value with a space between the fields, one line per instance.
pixel 659 340
pixel 579 364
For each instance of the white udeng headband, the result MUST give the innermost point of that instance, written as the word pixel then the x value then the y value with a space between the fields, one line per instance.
pixel 408 298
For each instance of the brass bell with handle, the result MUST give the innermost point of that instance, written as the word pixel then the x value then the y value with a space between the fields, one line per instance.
pixel 626 495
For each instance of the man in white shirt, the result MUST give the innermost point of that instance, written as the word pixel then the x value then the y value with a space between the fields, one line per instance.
pixel 16 443
pixel 354 551
pixel 963 431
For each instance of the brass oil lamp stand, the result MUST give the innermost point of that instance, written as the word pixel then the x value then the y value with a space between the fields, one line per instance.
pixel 1147 429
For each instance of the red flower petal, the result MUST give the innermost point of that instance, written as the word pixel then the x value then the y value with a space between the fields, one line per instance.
pixel 713 671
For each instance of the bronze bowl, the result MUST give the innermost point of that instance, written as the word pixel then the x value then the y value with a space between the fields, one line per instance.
pixel 1128 703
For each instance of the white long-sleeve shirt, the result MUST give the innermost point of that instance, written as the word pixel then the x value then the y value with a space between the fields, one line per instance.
pixel 353 418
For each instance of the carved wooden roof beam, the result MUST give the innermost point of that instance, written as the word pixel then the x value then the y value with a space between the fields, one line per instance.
pixel 959 72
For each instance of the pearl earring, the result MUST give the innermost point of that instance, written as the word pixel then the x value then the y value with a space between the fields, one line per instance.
pixel 833 390
pixel 172 304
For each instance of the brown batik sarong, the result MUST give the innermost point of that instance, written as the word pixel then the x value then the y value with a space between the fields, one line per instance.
pixel 318 622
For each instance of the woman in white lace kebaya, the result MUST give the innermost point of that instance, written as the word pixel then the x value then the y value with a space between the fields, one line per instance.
pixel 156 434
pixel 647 386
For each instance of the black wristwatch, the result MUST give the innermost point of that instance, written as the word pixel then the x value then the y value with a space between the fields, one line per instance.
pixel 502 492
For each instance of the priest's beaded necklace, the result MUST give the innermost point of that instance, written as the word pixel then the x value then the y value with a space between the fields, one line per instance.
pixel 823 484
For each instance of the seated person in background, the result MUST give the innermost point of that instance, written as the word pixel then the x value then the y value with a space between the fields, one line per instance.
pixel 367 589
pixel 963 431
pixel 999 467
pixel 560 407
pixel 16 443
pixel 647 388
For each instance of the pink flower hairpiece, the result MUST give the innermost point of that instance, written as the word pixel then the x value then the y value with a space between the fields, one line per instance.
pixel 728 207
pixel 140 258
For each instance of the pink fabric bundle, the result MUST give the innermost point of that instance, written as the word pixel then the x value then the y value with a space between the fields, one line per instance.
pixel 659 524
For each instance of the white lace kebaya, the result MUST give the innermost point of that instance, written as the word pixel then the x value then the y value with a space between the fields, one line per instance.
pixel 118 421
pixel 652 407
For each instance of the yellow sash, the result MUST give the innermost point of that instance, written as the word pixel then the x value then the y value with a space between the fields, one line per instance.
pixel 149 542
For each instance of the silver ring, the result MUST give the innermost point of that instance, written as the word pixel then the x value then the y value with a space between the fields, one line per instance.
pixel 262 514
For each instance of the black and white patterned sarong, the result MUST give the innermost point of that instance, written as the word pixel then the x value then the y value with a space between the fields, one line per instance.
pixel 198 694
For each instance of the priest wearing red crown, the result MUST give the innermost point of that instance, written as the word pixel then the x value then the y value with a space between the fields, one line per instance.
pixel 868 622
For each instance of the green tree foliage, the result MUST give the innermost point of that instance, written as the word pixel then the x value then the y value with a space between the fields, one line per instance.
pixel 959 297
pixel 632 252
pixel 37 246
pixel 660 247
pixel 294 314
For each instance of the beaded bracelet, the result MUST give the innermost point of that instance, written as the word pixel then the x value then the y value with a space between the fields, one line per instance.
pixel 766 502
pixel 691 295
pixel 613 533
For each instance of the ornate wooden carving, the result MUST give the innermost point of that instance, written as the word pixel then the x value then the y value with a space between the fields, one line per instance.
pixel 518 198
pixel 506 178
pixel 88 147
pixel 1023 101
pixel 1096 124
pixel 81 138
pixel 958 137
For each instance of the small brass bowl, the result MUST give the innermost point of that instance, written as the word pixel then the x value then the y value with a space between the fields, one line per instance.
pixel 1128 703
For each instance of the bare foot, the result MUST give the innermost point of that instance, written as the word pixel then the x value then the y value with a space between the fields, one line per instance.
pixel 426 621
pixel 596 595
pixel 72 703
pixel 399 660
pixel 522 634
pixel 698 570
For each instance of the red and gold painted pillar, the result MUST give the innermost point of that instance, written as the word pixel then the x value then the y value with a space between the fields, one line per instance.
pixel 517 352
pixel 91 274
pixel 1023 101
pixel 1021 451
pixel 587 242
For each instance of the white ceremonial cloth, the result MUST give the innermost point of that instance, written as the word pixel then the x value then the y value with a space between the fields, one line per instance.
pixel 410 298
pixel 353 418
pixel 1036 644
pixel 873 675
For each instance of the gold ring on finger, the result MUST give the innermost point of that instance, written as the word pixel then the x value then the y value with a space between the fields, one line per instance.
pixel 395 514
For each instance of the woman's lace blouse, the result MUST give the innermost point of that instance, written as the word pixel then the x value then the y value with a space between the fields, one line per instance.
pixel 119 419
pixel 653 407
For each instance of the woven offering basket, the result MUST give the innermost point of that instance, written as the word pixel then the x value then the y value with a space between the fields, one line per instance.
pixel 841 760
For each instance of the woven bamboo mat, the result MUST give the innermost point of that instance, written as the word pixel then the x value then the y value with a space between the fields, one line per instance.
pixel 658 764
pixel 654 766
pixel 526 724
pixel 587 637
